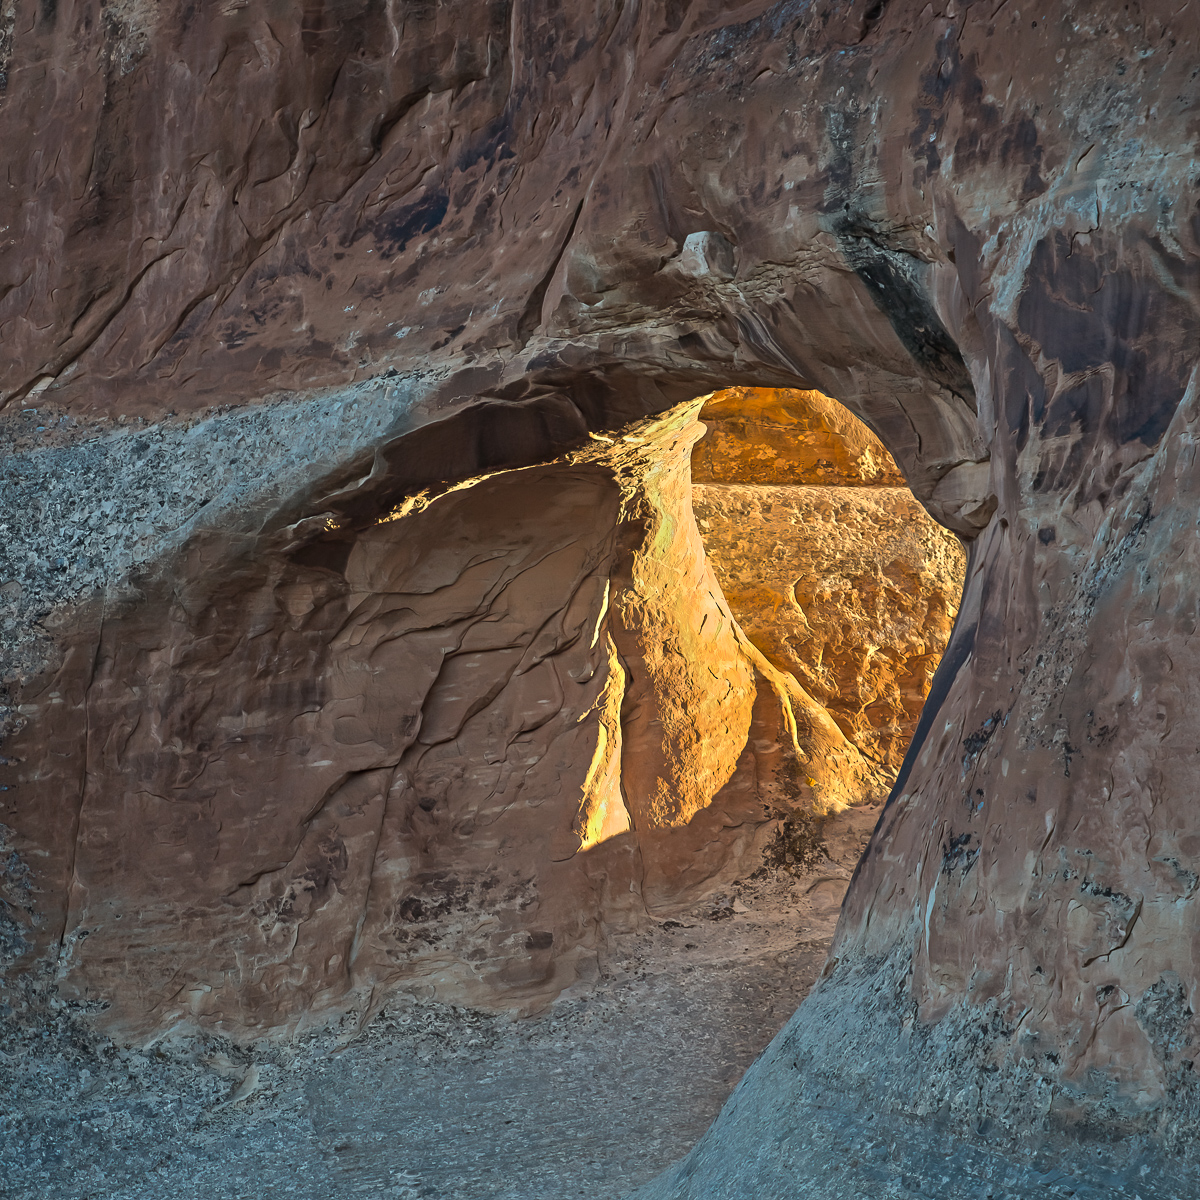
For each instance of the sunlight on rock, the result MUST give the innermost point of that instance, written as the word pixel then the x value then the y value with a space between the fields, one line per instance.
pixel 830 565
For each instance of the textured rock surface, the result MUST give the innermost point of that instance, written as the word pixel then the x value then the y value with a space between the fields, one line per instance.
pixel 786 436
pixel 454 746
pixel 851 589
pixel 975 226
pixel 436 1102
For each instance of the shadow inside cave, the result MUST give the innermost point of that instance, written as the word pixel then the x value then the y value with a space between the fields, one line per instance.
pixel 691 924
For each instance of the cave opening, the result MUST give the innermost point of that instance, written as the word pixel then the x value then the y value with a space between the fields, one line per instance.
pixel 831 567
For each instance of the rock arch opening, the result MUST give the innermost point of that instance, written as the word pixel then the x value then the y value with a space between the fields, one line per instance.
pixel 444 736
pixel 448 740
pixel 829 564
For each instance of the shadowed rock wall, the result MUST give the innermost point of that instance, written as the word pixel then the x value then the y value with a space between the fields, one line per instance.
pixel 450 745
pixel 977 227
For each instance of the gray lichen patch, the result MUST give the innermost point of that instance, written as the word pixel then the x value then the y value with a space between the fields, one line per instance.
pixel 16 901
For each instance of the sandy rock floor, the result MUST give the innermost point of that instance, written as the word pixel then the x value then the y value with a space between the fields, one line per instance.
pixel 590 1098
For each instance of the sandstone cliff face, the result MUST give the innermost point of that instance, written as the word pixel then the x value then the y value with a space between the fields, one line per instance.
pixel 977 227
pixel 851 588
pixel 764 436
pixel 853 591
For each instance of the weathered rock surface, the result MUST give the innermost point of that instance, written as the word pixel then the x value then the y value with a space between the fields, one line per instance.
pixel 788 436
pixel 852 588
pixel 977 227
pixel 455 747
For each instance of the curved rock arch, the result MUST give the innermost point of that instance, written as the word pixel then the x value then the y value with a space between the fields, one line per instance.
pixel 974 228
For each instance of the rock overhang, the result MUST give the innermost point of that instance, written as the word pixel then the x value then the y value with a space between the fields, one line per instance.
pixel 1001 176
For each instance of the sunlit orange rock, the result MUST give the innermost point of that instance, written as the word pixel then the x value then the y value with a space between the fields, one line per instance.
pixel 782 436
pixel 851 588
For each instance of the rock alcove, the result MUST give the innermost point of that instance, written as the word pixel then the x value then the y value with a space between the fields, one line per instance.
pixel 270 276
pixel 451 742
